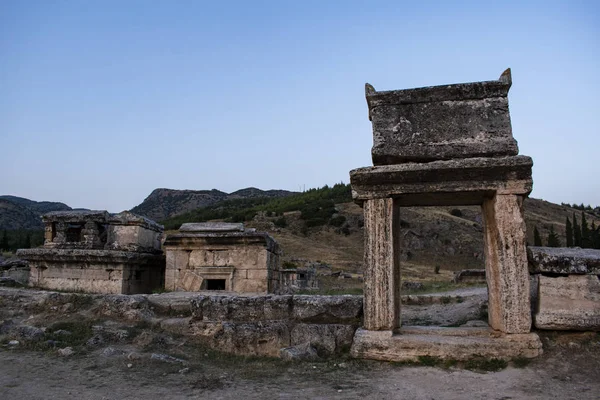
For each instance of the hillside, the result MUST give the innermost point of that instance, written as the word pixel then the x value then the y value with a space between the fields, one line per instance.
pixel 21 213
pixel 322 226
pixel 166 203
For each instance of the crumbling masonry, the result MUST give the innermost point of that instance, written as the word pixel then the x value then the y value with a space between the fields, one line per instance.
pixel 97 252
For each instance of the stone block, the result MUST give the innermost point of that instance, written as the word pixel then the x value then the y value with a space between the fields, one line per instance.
pixel 278 307
pixel 327 309
pixel 327 339
pixel 451 182
pixel 506 264
pixel 382 269
pixel 441 122
pixel 242 308
pixel 444 343
pixel 264 339
pixel 568 303
pixel 563 260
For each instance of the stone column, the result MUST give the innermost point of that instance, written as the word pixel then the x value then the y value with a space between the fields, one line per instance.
pixel 506 264
pixel 382 270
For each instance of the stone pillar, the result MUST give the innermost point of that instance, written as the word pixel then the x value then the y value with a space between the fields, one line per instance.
pixel 382 269
pixel 506 264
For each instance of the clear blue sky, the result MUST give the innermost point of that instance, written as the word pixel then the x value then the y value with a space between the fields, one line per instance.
pixel 101 102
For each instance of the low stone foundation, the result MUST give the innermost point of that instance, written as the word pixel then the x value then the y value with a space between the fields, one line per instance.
pixel 413 342
pixel 263 325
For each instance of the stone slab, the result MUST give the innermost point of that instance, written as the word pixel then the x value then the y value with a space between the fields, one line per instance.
pixel 464 182
pixel 568 303
pixel 211 227
pixel 441 122
pixel 410 343
pixel 563 260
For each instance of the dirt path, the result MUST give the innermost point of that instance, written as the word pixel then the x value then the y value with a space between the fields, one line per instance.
pixel 570 369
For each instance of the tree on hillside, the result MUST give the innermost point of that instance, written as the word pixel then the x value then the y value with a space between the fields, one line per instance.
pixel 4 241
pixel 576 232
pixel 27 241
pixel 553 240
pixel 585 232
pixel 537 239
pixel 569 233
pixel 595 236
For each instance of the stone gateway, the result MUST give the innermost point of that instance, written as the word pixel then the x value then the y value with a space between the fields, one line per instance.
pixel 444 146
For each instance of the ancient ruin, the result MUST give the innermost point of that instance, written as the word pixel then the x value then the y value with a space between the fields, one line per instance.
pixel 97 252
pixel 565 288
pixel 221 256
pixel 441 146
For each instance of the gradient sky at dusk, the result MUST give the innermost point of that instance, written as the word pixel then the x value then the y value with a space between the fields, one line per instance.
pixel 101 102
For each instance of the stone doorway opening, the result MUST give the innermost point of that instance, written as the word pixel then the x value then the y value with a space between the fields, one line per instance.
pixel 442 269
pixel 216 284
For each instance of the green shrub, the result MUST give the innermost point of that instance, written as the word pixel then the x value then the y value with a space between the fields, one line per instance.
pixel 456 212
pixel 337 221
pixel 280 222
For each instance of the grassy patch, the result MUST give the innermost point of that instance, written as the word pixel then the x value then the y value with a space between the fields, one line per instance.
pixel 429 361
pixel 520 362
pixel 485 364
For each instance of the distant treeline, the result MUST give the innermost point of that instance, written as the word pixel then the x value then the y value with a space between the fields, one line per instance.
pixel 317 207
pixel 588 208
pixel 578 235
pixel 11 240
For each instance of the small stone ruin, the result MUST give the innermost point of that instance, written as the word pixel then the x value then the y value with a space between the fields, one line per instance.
pixel 565 288
pixel 97 252
pixel 222 256
pixel 445 145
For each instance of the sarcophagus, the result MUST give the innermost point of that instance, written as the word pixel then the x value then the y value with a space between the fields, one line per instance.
pixel 446 122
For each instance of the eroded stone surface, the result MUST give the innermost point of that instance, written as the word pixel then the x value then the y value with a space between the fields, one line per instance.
pixel 441 122
pixel 563 260
pixel 382 271
pixel 568 303
pixel 506 264
pixel 222 257
pixel 444 343
pixel 451 182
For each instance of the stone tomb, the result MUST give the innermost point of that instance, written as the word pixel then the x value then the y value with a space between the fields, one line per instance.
pixel 565 288
pixel 221 257
pixel 444 146
pixel 97 252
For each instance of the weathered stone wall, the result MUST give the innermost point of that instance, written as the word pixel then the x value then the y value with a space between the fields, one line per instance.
pixel 202 253
pixel 263 325
pixel 94 271
pixel 245 325
pixel 245 269
pixel 133 238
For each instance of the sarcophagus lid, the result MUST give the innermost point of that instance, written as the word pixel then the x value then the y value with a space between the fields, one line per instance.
pixel 462 120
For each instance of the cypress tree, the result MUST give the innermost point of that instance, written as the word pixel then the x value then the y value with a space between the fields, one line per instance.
pixel 553 240
pixel 585 232
pixel 595 235
pixel 576 232
pixel 537 239
pixel 4 242
pixel 27 241
pixel 569 233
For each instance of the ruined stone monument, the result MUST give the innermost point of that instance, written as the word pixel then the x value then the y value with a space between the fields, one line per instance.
pixel 97 252
pixel 444 146
pixel 221 256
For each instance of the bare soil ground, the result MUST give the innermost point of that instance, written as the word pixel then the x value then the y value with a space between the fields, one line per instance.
pixel 569 369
